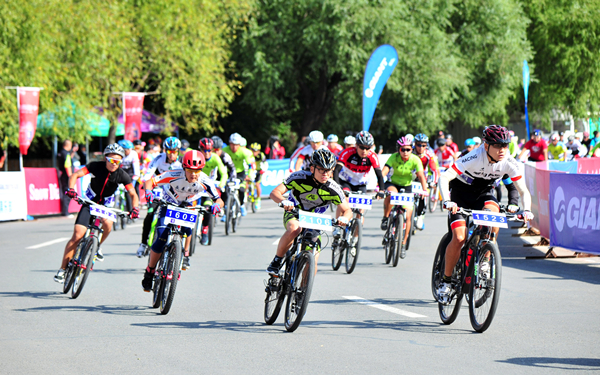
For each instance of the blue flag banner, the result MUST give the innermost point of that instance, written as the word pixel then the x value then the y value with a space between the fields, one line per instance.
pixel 380 66
pixel 526 80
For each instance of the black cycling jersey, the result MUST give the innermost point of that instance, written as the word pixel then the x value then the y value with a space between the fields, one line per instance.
pixel 103 183
pixel 310 195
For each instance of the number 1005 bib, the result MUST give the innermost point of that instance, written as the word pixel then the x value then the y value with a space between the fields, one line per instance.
pixel 181 216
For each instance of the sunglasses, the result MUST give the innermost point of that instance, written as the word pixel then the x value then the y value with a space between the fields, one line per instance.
pixel 421 144
pixel 406 149
pixel 364 147
pixel 193 171
pixel 113 161
pixel 499 146
pixel 172 152
pixel 323 170
pixel 203 150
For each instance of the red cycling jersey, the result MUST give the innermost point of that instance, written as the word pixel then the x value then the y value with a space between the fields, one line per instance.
pixel 428 158
pixel 445 158
pixel 355 168
pixel 336 150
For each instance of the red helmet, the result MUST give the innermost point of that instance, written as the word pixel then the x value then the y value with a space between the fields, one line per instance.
pixel 206 144
pixel 193 159
pixel 495 134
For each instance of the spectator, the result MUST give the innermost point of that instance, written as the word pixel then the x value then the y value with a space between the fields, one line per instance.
pixel 274 149
pixel 538 148
pixel 587 142
pixel 82 154
pixel 596 139
pixel 64 172
pixel 450 143
pixel 75 159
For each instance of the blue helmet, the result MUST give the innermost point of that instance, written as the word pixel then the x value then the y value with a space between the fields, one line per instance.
pixel 421 138
pixel 172 143
pixel 469 142
pixel 127 145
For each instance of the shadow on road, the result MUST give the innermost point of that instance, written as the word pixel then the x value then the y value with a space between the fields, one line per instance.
pixel 237 326
pixel 557 270
pixel 105 309
pixel 37 295
pixel 584 364
pixel 97 268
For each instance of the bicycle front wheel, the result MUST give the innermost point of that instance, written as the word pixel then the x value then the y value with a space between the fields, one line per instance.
pixel 237 215
pixel 300 289
pixel 158 286
pixel 485 292
pixel 230 211
pixel 85 266
pixel 354 245
pixel 71 268
pixel 388 243
pixel 398 238
pixel 337 253
pixel 171 276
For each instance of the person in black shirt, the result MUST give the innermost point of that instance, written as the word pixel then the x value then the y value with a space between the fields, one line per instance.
pixel 65 171
pixel 106 177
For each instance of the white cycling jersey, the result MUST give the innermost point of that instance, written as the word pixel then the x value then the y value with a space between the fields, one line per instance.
pixel 160 165
pixel 177 189
pixel 131 165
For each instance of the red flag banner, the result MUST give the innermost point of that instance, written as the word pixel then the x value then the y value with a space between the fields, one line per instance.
pixel 28 100
pixel 133 103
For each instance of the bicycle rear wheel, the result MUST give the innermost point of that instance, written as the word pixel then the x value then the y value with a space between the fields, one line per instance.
pixel 300 290
pixel 354 247
pixel 274 299
pixel 485 292
pixel 398 238
pixel 337 253
pixel 85 266
pixel 71 268
pixel 211 220
pixel 171 269
pixel 411 231
pixel 236 217
pixel 158 286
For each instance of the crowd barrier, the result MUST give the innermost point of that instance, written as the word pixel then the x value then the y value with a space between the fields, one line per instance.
pixel 566 202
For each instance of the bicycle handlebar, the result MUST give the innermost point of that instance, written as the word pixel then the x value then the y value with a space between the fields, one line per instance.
pixel 199 208
pixel 84 201
pixel 517 216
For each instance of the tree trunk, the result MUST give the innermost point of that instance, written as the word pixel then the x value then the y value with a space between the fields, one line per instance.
pixel 318 101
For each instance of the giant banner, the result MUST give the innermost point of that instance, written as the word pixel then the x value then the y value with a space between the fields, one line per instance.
pixel 575 212
pixel 133 104
pixel 28 100
pixel 278 171
pixel 13 203
pixel 380 66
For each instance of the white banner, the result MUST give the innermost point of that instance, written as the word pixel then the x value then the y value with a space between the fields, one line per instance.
pixel 13 198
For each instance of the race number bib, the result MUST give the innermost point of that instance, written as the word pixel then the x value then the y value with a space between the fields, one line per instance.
pixel 100 211
pixel 402 198
pixel 181 216
pixel 489 219
pixel 360 201
pixel 315 221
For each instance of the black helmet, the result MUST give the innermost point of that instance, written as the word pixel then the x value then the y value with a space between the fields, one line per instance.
pixel 440 142
pixel 114 149
pixel 217 142
pixel 323 158
pixel 185 144
pixel 495 134
pixel 364 138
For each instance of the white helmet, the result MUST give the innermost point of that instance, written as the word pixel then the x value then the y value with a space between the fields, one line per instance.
pixel 410 137
pixel 554 136
pixel 236 139
pixel 315 136
pixel 350 140
pixel 477 140
pixel 332 138
pixel 244 142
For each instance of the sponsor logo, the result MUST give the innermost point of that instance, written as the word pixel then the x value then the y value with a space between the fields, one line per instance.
pixel 44 194
pixel 468 158
pixel 579 212
pixel 373 83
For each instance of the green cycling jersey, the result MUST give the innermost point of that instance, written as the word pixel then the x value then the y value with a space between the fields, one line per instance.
pixel 213 165
pixel 557 152
pixel 402 170
pixel 242 158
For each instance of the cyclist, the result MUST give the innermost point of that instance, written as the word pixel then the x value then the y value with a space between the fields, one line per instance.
pixel 315 139
pixel 556 150
pixel 213 168
pixel 477 141
pixel 242 159
pixel 429 160
pixel 349 141
pixel 131 165
pixel 313 191
pixel 333 145
pixel 160 164
pixel 106 177
pixel 470 182
pixel 469 146
pixel 181 187
pixel 445 155
pixel 575 148
pixel 225 158
pixel 261 168
pixel 403 163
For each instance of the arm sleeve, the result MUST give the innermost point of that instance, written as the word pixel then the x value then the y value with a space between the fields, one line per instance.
pixel 525 196
pixel 433 168
pixel 136 168
pixel 222 171
pixel 336 173
pixel 513 193
pixel 151 169
pixel 379 179
pixel 445 178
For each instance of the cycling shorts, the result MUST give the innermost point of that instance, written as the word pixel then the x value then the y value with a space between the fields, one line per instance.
pixel 465 199
pixel 407 189
pixel 287 216
pixel 258 177
pixel 348 186
pixel 84 216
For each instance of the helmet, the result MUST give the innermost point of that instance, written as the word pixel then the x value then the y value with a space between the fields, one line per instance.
pixel 511 133
pixel 448 136
pixel 410 137
pixel 127 145
pixel 422 138
pixel 193 159
pixel 469 142
pixel 185 144
pixel 114 148
pixel 217 142
pixel 554 136
pixel 350 140
pixel 364 138
pixel 138 142
pixel 537 132
pixel 495 134
pixel 571 138
pixel 244 142
pixel 206 144
pixel 255 146
pixel 315 136
pixel 440 142
pixel 172 143
pixel 332 138
pixel 323 158
pixel 235 139
pixel 477 140
pixel 404 141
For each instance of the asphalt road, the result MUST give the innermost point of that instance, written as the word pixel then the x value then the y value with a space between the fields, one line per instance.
pixel 547 320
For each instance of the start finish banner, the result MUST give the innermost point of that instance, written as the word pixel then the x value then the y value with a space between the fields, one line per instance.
pixel 575 212
pixel 133 104
pixel 28 100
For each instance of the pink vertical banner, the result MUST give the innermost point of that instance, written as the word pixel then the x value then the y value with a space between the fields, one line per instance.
pixel 133 104
pixel 28 100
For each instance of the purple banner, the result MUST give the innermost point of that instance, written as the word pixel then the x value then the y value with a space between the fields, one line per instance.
pixel 151 123
pixel 575 212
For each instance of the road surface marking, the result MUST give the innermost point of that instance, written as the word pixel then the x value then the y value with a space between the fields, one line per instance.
pixel 384 307
pixel 135 226
pixel 276 242
pixel 62 239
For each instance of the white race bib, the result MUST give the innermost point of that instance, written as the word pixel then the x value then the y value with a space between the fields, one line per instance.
pixel 360 201
pixel 315 221
pixel 402 198
pixel 102 212
pixel 181 216
pixel 489 219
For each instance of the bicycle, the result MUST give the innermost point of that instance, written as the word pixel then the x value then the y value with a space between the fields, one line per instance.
pixel 121 204
pixel 168 268
pixel 394 235
pixel 79 267
pixel 252 195
pixel 296 278
pixel 157 195
pixel 481 288
pixel 198 235
pixel 351 238
pixel 234 211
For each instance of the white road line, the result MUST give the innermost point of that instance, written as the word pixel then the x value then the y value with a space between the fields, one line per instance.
pixel 276 242
pixel 135 226
pixel 62 239
pixel 383 307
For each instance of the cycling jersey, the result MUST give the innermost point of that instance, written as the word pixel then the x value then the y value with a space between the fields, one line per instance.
pixel 556 152
pixel 177 189
pixel 261 163
pixel 403 170
pixel 104 183
pixel 304 154
pixel 242 158
pixel 336 150
pixel 160 165
pixel 131 165
pixel 310 195
pixel 536 150
pixel 445 158
pixel 428 158
pixel 355 169
pixel 576 148
pixel 228 163
pixel 214 168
